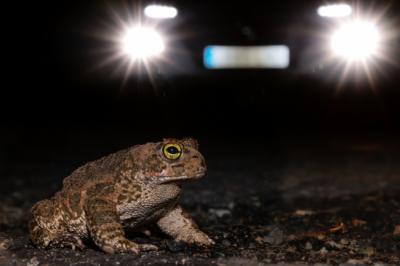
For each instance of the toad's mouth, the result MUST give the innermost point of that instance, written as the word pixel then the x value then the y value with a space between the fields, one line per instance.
pixel 172 179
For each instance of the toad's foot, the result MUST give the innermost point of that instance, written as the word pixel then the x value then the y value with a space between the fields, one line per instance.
pixel 72 241
pixel 178 224
pixel 196 237
pixel 126 246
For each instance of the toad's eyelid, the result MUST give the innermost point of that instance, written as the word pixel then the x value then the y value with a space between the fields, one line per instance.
pixel 178 146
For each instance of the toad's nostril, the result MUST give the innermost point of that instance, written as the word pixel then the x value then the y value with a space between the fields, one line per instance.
pixel 195 157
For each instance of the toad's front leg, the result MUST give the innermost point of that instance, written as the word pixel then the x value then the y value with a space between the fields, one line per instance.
pixel 106 230
pixel 179 225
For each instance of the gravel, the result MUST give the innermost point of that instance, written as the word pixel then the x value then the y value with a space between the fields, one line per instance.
pixel 313 208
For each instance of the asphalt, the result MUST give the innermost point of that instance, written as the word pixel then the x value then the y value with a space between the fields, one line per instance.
pixel 327 205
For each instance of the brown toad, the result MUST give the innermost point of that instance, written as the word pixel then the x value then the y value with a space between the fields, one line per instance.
pixel 127 189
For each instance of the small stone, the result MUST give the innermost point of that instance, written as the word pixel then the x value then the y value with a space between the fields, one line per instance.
pixel 358 222
pixel 256 201
pixel 334 244
pixel 275 237
pixel 220 212
pixel 379 264
pixel 355 262
pixel 4 244
pixel 33 262
pixel 259 240
pixel 338 228
pixel 369 251
pixel 147 232
pixel 323 251
pixel 257 204
pixel 303 212
pixel 308 246
pixel 396 231
pixel 226 243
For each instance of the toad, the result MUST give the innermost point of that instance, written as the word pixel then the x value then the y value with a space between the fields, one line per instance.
pixel 127 189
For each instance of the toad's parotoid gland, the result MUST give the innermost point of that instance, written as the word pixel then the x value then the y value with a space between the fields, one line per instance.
pixel 127 189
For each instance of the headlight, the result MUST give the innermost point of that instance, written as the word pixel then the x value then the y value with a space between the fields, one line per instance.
pixel 356 40
pixel 142 43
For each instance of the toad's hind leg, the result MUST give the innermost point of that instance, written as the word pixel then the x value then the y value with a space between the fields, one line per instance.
pixel 43 228
pixel 47 227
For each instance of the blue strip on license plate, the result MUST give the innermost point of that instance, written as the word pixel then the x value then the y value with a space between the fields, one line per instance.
pixel 265 56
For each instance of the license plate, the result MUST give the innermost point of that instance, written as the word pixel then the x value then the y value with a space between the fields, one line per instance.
pixel 263 56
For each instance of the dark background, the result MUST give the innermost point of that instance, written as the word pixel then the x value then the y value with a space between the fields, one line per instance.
pixel 56 101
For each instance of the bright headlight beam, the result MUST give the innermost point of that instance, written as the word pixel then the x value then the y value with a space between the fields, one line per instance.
pixel 142 43
pixel 160 11
pixel 357 40
pixel 335 10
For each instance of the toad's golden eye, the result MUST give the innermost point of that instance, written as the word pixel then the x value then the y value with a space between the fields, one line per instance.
pixel 172 151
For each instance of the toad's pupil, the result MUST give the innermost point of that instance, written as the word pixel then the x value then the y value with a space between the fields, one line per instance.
pixel 172 150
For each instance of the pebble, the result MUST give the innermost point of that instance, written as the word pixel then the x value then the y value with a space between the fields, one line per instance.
pixel 379 264
pixel 226 243
pixel 358 222
pixel 303 212
pixel 220 212
pixel 259 240
pixel 5 244
pixel 308 246
pixel 354 262
pixel 396 231
pixel 323 251
pixel 369 251
pixel 275 237
pixel 33 262
pixel 334 244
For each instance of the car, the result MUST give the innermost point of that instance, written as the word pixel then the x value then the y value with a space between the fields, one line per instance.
pixel 173 39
